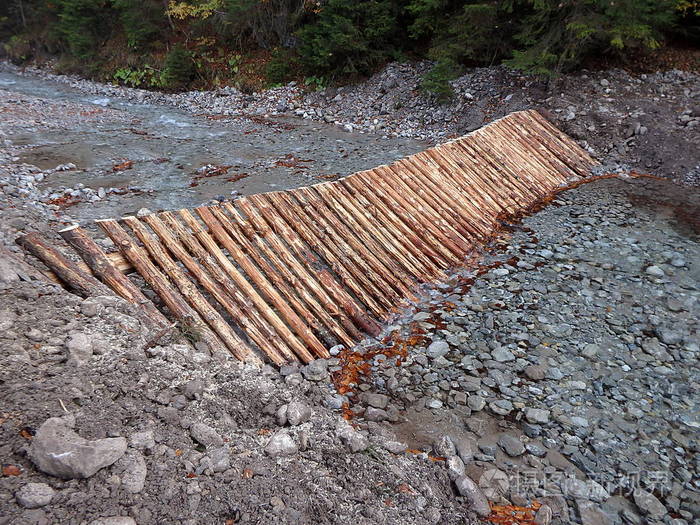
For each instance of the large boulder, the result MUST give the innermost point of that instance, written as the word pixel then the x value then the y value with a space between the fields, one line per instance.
pixel 57 450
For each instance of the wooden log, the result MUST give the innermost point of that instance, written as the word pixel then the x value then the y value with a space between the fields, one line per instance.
pixel 376 241
pixel 263 214
pixel 218 292
pixel 182 311
pixel 299 325
pixel 390 275
pixel 103 267
pixel 188 288
pixel 371 279
pixel 390 231
pixel 293 276
pixel 242 310
pixel 431 215
pixel 81 282
pixel 394 222
pixel 296 323
pixel 410 216
pixel 304 226
pixel 462 210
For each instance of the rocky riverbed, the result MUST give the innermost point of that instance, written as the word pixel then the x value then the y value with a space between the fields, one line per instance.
pixel 561 375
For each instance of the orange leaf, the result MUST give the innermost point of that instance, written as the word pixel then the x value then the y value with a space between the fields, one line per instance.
pixel 247 473
pixel 11 470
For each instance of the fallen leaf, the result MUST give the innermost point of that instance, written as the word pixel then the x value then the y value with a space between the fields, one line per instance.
pixel 11 470
pixel 404 489
pixel 126 165
pixel 27 432
pixel 191 475
pixel 247 473
pixel 178 452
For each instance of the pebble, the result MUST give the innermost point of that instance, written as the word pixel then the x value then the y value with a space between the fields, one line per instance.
pixel 281 444
pixel 34 495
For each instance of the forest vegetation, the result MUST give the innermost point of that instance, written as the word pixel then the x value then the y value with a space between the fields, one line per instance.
pixel 250 44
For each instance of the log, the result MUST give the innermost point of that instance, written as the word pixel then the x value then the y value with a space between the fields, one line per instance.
pixel 260 212
pixel 242 310
pixel 292 341
pixel 182 311
pixel 103 267
pixel 290 276
pixel 189 289
pixel 299 225
pixel 75 278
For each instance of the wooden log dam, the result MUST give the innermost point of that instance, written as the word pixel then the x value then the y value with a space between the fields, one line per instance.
pixel 284 276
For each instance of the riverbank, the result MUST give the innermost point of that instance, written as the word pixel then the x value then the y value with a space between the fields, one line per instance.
pixel 563 378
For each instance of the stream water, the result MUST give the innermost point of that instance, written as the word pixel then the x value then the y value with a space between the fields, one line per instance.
pixel 167 150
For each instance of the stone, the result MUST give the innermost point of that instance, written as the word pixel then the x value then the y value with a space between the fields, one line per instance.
pixel 502 407
pixel 375 400
pixel 465 449
pixel 444 447
pixel 298 413
pixel 134 472
pixel 592 514
pixel 476 403
pixel 57 450
pixel 649 504
pixel 352 439
pixel 437 349
pixel 114 520
pixel 455 467
pixel 537 415
pixel 193 389
pixel 142 440
pixel 511 445
pixel 34 495
pixel 502 355
pixel 535 372
pixel 655 271
pixel 281 444
pixel 375 414
pixel 472 493
pixel 543 515
pixel 219 459
pixel 316 370
pixel 79 348
pixel 205 435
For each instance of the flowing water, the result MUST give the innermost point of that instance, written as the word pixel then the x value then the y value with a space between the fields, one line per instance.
pixel 165 147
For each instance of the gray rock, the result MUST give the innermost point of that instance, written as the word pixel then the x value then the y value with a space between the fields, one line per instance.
pixel 535 372
pixel 281 444
pixel 655 271
pixel 375 414
pixel 511 445
pixel 219 459
pixel 298 413
pixel 142 440
pixel 316 370
pixel 193 389
pixel 57 450
pixel 502 355
pixel 465 449
pixel 134 472
pixel 502 407
pixel 537 415
pixel 79 349
pixel 375 400
pixel 543 515
pixel 34 495
pixel 114 520
pixel 649 504
pixel 444 447
pixel 352 439
pixel 205 435
pixel 437 349
pixel 476 403
pixel 592 514
pixel 472 493
pixel 455 467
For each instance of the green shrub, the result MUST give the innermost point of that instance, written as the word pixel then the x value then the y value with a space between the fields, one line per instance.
pixel 437 81
pixel 178 68
pixel 349 37
pixel 281 66
pixel 141 20
pixel 81 24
